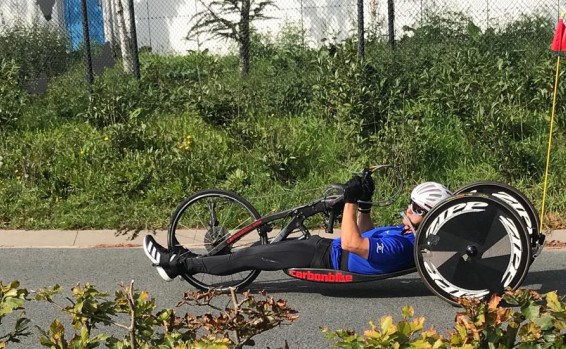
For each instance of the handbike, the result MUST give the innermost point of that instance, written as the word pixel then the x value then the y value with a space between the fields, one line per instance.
pixel 472 244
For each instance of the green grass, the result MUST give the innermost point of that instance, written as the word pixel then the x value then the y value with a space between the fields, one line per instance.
pixel 76 176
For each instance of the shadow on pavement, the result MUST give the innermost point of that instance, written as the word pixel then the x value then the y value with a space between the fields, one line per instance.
pixel 407 286
pixel 546 281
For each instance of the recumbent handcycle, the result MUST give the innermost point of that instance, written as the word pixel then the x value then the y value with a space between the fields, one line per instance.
pixel 478 242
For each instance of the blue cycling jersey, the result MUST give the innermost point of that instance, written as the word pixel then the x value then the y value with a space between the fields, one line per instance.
pixel 390 250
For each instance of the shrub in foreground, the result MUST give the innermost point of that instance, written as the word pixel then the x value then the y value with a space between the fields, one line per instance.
pixel 94 314
pixel 520 319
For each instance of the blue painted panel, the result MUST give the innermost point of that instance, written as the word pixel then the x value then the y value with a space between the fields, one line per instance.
pixel 74 21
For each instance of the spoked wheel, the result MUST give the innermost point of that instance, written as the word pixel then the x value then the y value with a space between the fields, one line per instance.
pixel 206 219
pixel 516 200
pixel 472 245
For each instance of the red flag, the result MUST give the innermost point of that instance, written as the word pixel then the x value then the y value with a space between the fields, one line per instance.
pixel 559 41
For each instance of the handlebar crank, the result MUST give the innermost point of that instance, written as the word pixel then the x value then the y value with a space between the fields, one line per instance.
pixel 392 176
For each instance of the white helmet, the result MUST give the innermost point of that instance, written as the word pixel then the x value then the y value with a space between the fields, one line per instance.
pixel 428 194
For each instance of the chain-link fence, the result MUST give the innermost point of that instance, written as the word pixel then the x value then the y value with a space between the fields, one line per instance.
pixel 46 37
pixel 163 26
pixel 334 19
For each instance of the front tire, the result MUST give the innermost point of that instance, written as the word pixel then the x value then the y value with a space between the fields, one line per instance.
pixel 204 220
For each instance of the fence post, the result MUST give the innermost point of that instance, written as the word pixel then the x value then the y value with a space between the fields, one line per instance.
pixel 87 52
pixel 302 25
pixel 391 23
pixel 134 38
pixel 361 39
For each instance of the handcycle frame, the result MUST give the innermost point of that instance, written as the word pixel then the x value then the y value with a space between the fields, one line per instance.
pixel 299 214
pixel 330 207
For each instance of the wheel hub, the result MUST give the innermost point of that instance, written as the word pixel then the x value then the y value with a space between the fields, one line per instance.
pixel 471 250
pixel 214 236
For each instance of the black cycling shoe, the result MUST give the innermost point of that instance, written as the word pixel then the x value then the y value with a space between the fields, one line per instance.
pixel 162 259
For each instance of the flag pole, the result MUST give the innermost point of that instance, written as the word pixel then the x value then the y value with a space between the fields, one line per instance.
pixel 558 45
pixel 549 142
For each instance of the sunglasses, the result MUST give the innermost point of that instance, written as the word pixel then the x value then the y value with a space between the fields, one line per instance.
pixel 416 209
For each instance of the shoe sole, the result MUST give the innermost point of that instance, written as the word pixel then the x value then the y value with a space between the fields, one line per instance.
pixel 147 245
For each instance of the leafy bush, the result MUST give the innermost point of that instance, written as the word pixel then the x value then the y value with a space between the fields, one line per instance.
pixel 429 153
pixel 283 70
pixel 172 83
pixel 532 321
pixel 92 313
pixel 465 70
pixel 348 89
pixel 197 82
pixel 221 100
pixel 115 96
pixel 67 97
pixel 36 49
pixel 521 318
pixel 12 97
pixel 12 299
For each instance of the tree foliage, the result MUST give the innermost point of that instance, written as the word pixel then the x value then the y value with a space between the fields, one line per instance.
pixel 230 19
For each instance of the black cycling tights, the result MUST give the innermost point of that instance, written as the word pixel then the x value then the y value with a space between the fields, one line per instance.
pixel 313 252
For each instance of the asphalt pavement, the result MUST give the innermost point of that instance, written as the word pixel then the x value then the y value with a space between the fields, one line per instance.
pixel 335 306
pixel 105 258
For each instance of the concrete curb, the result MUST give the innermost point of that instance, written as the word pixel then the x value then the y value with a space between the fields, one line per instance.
pixel 73 238
pixel 555 239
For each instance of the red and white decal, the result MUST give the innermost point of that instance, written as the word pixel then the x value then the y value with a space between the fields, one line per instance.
pixel 330 276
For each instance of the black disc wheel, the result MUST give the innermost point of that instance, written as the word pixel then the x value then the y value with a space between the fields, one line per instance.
pixel 516 200
pixel 472 245
pixel 204 221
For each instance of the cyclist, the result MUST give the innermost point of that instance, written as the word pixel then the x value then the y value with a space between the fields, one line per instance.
pixel 361 248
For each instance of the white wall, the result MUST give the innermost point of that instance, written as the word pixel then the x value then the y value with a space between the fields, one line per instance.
pixel 164 25
pixel 27 11
pixel 12 11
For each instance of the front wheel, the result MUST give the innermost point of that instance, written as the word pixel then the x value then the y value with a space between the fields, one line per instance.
pixel 204 220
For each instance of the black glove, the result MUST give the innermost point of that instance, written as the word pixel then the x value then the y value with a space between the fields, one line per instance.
pixel 368 187
pixel 353 190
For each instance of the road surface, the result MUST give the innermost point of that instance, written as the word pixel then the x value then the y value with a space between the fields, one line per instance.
pixel 334 306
